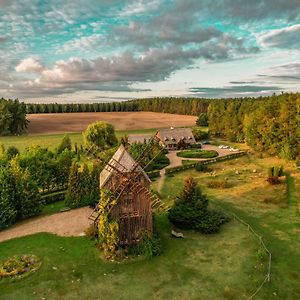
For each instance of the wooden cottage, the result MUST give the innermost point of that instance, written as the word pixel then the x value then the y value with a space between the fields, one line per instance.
pixel 130 184
pixel 171 137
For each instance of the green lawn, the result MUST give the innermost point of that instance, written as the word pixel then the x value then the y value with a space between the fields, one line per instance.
pixel 220 266
pixel 52 140
pixel 271 210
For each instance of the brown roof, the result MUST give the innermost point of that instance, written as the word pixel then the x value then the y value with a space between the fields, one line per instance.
pixel 174 135
pixel 120 159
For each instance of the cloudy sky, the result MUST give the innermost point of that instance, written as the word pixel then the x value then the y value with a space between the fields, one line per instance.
pixel 104 50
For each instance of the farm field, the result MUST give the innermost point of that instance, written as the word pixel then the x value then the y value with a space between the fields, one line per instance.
pixel 77 122
pixel 273 212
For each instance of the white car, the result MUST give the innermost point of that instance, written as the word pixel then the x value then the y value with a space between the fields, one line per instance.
pixel 234 149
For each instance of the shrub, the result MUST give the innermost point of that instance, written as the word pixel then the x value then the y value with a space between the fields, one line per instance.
pixel 219 184
pixel 200 134
pixel 190 210
pixel 201 168
pixel 153 174
pixel 198 153
pixel 7 198
pixel 11 152
pixel 65 144
pixel 149 246
pixel 274 173
pixel 202 120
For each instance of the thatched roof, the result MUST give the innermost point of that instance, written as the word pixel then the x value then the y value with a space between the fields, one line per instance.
pixel 120 159
pixel 174 135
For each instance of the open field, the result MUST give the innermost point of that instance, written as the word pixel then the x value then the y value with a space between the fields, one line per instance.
pixel 51 141
pixel 271 210
pixel 222 266
pixel 77 122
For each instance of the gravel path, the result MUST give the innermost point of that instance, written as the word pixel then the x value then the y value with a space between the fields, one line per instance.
pixel 69 223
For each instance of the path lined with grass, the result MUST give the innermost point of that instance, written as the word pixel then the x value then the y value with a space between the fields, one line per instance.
pixel 69 223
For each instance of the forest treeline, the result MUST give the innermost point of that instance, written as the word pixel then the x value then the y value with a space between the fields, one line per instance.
pixel 43 108
pixel 268 125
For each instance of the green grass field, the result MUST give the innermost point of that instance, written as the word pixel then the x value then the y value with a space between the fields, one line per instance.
pixel 271 210
pixel 52 140
pixel 220 266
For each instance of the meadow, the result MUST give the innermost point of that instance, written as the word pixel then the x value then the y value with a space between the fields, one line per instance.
pixel 272 210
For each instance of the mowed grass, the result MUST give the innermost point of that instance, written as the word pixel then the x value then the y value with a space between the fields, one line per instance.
pixel 51 141
pixel 273 211
pixel 220 266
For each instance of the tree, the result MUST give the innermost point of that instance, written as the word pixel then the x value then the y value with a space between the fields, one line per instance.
pixel 190 210
pixel 202 120
pixel 99 136
pixel 27 202
pixel 73 196
pixel 65 144
pixel 12 117
pixel 7 197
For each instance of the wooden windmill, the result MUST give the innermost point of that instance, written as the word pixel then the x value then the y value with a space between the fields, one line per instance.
pixel 129 183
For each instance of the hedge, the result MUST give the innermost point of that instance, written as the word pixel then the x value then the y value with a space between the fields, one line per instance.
pixel 204 162
pixel 54 197
pixel 153 174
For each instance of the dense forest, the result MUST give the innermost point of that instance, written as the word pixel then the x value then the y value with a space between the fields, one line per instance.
pixel 270 124
pixel 12 117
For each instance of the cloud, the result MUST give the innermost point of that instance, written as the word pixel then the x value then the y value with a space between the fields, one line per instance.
pixel 29 65
pixel 234 91
pixel 288 37
pixel 284 74
pixel 82 43
pixel 241 10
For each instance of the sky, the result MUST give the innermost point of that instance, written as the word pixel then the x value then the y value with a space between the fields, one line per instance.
pixel 107 50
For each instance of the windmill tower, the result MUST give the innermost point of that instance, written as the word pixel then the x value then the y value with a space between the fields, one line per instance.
pixel 130 185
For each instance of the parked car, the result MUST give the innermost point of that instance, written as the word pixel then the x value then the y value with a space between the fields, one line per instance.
pixel 234 149
pixel 206 143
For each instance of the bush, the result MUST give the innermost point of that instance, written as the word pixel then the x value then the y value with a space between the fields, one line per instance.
pixel 190 210
pixel 274 173
pixel 54 197
pixel 65 144
pixel 219 184
pixel 153 174
pixel 202 120
pixel 149 246
pixel 200 134
pixel 198 153
pixel 201 168
pixel 11 152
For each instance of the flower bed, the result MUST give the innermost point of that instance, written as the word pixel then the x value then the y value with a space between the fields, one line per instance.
pixel 19 266
pixel 196 153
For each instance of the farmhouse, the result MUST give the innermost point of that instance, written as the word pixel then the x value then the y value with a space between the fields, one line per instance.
pixel 126 179
pixel 169 138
